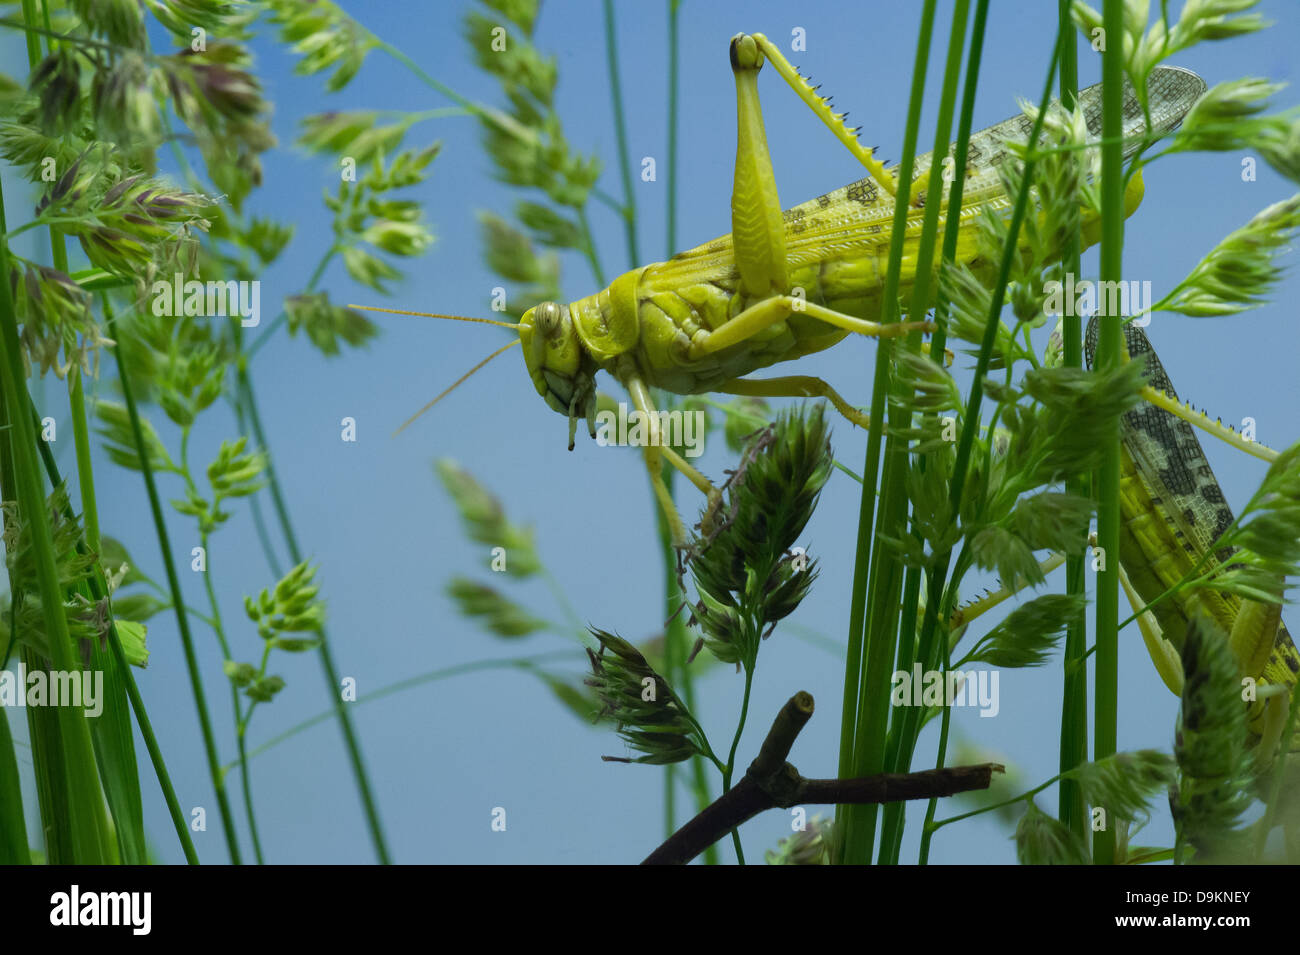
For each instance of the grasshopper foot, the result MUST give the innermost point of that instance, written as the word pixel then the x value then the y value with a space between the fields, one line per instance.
pixel 745 52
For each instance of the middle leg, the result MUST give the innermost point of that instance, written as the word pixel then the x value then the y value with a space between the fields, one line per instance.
pixel 795 386
pixel 778 308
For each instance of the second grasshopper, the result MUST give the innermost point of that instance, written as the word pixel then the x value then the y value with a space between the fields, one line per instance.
pixel 1174 514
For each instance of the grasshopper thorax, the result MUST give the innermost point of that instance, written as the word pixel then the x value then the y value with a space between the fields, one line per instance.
pixel 562 370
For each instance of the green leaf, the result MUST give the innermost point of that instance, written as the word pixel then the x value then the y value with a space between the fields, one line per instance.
pixel 13 827
pixel 112 733
pixel 1003 787
pixel 575 697
pixel 295 644
pixel 235 472
pixel 137 608
pixel 119 440
pixel 485 520
pixel 1124 783
pixel 997 547
pixel 191 505
pixel 522 13
pixel 1241 270
pixel 369 269
pixel 113 556
pixel 519 65
pixel 497 613
pixel 98 280
pixel 240 674
pixel 407 169
pixel 293 606
pixel 132 635
pixel 744 417
pixel 1216 770
pixel 267 238
pixel 548 226
pixel 397 238
pixel 1052 520
pixel 325 36
pixel 1029 632
pixel 326 324
pixel 510 254
pixel 265 688
pixel 1042 840
pixel 812 845
pixel 649 716
pixel 58 327
pixel 356 134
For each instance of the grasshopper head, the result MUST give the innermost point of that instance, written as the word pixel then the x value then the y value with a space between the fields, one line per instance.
pixel 562 370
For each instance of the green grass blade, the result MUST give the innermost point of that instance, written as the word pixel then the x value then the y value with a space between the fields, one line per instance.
pixel 114 742
pixel 328 668
pixel 894 814
pixel 1110 352
pixel 51 777
pixel 1074 701
pixel 98 589
pixel 620 130
pixel 940 594
pixel 13 828
pixel 178 601
pixel 86 819
pixel 866 698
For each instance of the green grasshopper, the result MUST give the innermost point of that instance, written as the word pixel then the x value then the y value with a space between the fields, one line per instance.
pixel 782 284
pixel 1173 512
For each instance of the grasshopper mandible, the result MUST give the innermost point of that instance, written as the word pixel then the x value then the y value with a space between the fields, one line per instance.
pixel 782 284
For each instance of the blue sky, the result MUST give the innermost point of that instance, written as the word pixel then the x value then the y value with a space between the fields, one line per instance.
pixel 372 514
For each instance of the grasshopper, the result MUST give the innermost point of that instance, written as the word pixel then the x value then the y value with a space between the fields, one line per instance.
pixel 1173 511
pixel 782 284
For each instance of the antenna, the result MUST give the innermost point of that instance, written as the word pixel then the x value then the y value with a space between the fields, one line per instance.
pixel 459 381
pixel 453 318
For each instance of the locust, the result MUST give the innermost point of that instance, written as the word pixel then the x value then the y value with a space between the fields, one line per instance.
pixel 1173 512
pixel 782 284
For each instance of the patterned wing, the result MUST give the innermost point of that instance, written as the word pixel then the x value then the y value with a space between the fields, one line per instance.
pixel 1174 511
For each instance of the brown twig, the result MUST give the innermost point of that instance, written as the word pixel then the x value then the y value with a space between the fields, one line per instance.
pixel 772 783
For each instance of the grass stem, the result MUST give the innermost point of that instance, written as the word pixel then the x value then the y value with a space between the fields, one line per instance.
pixel 1110 352
pixel 620 129
pixel 1074 701
pixel 328 667
pixel 866 700
pixel 178 601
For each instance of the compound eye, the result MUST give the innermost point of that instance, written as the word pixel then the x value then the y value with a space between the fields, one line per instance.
pixel 548 317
